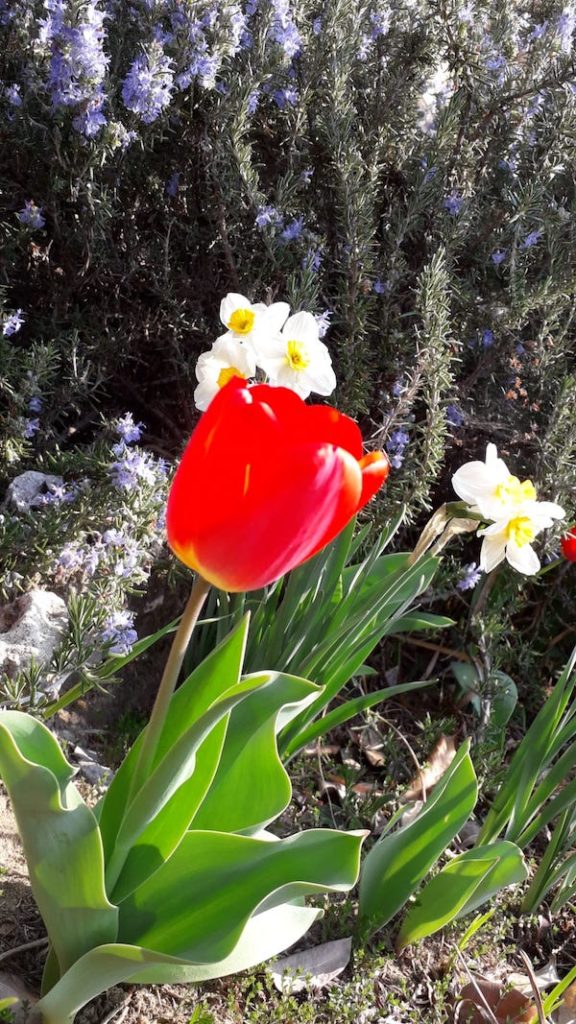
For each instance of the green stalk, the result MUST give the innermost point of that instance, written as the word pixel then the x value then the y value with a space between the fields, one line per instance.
pixel 168 682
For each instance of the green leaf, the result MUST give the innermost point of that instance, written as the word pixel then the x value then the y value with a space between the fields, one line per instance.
pixel 176 768
pixel 251 786
pixel 219 672
pixel 464 884
pixel 396 865
pixel 176 912
pixel 417 621
pixel 265 935
pixel 5 1004
pixel 348 710
pixel 60 837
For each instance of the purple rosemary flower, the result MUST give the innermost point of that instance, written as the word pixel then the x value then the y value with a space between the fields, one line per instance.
pixel 78 63
pixel 35 404
pixel 147 88
pixel 454 416
pixel 133 468
pixel 268 216
pixel 453 203
pixel 323 322
pixel 70 557
pixel 532 239
pixel 253 101
pixel 498 256
pixel 317 26
pixel 395 446
pixel 12 323
pixel 565 27
pixel 31 215
pixel 127 429
pixel 12 94
pixel 380 287
pixel 284 31
pixel 30 427
pixel 470 577
pixel 173 184
pixel 119 632
pixel 286 97
pixel 312 260
pixel 293 230
pixel 487 338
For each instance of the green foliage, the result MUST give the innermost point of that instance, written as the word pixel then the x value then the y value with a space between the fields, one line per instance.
pixel 399 861
pixel 538 791
pixel 127 894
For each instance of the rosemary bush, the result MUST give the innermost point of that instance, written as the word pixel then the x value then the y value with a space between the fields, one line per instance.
pixel 401 169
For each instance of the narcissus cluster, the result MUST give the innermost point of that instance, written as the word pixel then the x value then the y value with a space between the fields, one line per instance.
pixel 510 508
pixel 266 342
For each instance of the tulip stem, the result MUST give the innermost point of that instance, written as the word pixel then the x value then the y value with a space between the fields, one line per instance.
pixel 169 679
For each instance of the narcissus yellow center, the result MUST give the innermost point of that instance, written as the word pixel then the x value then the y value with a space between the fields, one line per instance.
pixel 227 373
pixel 241 321
pixel 520 531
pixel 511 489
pixel 296 355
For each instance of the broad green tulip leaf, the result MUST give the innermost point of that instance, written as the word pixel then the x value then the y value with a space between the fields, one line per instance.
pixel 176 768
pixel 397 864
pixel 60 838
pixel 251 786
pixel 219 672
pixel 464 884
pixel 176 913
pixel 265 935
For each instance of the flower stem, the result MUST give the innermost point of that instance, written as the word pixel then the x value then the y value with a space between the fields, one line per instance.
pixel 168 682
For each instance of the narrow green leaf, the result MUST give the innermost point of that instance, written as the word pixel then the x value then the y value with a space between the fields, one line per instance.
pixel 60 837
pixel 397 864
pixel 348 710
pixel 464 884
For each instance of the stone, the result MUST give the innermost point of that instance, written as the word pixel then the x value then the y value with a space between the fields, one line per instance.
pixel 31 628
pixel 27 490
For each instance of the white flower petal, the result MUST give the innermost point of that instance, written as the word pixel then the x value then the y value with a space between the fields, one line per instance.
pixel 492 552
pixel 523 558
pixel 232 301
pixel 549 509
pixel 301 327
pixel 273 316
pixel 204 393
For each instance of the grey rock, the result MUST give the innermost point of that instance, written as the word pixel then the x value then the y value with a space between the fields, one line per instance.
pixel 31 627
pixel 27 490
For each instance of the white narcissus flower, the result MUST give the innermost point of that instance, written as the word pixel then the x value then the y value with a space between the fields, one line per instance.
pixel 490 488
pixel 511 508
pixel 296 358
pixel 246 319
pixel 227 358
pixel 511 538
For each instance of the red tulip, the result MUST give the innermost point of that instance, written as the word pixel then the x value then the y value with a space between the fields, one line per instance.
pixel 568 544
pixel 264 483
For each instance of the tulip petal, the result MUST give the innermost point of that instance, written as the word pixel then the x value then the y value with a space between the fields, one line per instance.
pixel 264 483
pixel 294 499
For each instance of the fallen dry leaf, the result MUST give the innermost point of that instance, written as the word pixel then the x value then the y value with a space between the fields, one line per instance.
pixel 483 1001
pixel 439 761
pixel 544 977
pixel 311 968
